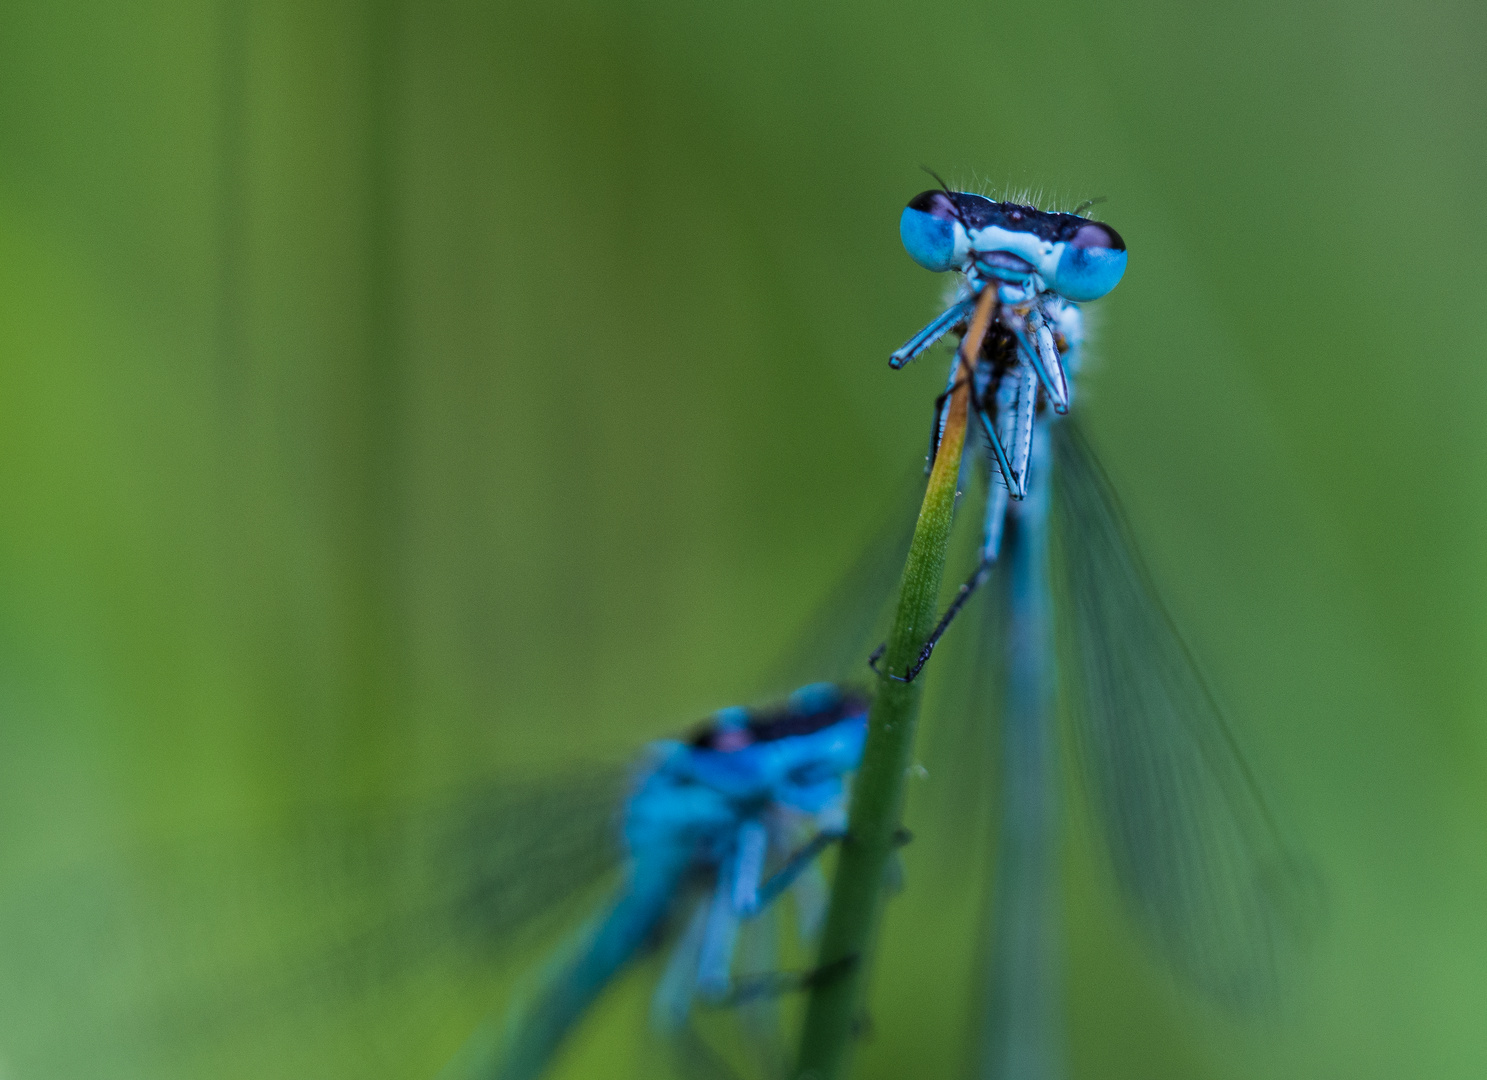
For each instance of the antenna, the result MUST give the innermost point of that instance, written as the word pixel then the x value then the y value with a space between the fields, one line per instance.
pixel 954 206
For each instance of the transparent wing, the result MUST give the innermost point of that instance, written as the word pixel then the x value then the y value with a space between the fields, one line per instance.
pixel 1190 839
pixel 745 1039
pixel 348 945
pixel 960 742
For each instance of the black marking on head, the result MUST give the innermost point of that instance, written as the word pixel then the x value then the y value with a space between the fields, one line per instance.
pixel 979 212
pixel 775 722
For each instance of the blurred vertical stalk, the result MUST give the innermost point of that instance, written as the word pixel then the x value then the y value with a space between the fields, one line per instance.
pixel 232 209
pixel 376 538
pixel 231 359
pixel 878 791
pixel 357 436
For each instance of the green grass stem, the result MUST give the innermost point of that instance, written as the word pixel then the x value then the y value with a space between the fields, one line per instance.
pixel 878 792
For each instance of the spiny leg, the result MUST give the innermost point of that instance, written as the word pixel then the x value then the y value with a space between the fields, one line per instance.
pixel 1017 399
pixel 794 866
pixel 779 983
pixel 735 895
pixel 997 499
pixel 740 895
pixel 775 983
pixel 1050 367
pixel 1016 482
pixel 932 333
pixel 1036 346
pixel 802 858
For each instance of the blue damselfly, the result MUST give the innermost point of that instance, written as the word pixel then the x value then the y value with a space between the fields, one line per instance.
pixel 1190 840
pixel 352 941
pixel 746 805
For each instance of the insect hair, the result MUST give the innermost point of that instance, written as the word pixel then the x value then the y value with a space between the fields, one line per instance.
pixel 1038 198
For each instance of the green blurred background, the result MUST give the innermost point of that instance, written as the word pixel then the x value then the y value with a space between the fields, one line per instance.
pixel 398 395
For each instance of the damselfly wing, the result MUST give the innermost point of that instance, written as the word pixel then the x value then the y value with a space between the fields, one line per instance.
pixel 340 943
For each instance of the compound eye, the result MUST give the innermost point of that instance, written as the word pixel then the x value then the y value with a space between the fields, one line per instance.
pixel 816 698
pixel 930 228
pixel 1092 263
pixel 1095 235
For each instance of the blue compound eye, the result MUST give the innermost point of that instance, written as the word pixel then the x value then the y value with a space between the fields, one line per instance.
pixel 928 228
pixel 1092 263
pixel 818 697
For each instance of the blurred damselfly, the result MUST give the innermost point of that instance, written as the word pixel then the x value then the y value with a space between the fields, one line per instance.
pixel 355 943
pixel 746 805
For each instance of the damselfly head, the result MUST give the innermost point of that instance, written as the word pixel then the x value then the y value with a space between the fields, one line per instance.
pixel 1077 258
pixel 810 709
pixel 794 754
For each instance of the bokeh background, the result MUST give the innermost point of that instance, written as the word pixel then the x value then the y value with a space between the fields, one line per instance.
pixel 395 397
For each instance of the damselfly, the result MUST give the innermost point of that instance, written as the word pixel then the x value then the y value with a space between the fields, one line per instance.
pixel 1028 269
pixel 753 791
pixel 1190 840
pixel 357 941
